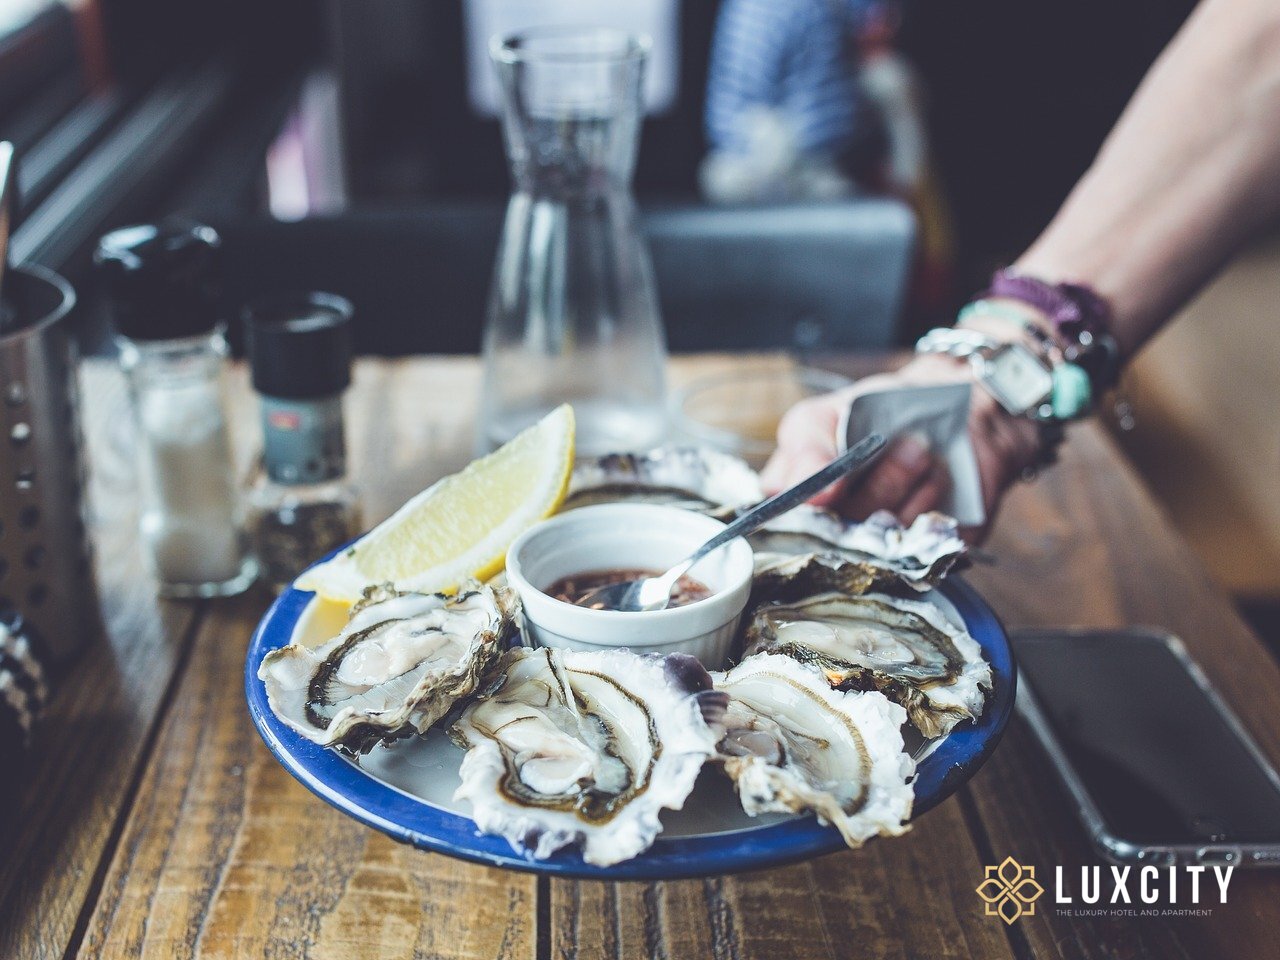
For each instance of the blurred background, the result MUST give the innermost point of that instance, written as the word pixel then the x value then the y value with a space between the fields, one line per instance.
pixel 353 145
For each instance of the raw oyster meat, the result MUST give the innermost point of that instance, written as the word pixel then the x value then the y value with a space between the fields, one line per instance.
pixel 690 477
pixel 793 744
pixel 809 550
pixel 907 649
pixel 402 661
pixel 586 746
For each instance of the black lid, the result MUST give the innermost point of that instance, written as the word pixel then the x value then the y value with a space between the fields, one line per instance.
pixel 300 345
pixel 161 279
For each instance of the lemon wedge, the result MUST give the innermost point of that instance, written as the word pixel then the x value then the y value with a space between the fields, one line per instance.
pixel 461 526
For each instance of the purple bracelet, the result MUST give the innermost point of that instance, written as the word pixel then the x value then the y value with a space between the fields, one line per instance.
pixel 1072 308
pixel 1078 315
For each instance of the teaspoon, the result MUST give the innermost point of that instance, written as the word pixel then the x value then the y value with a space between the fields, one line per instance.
pixel 654 593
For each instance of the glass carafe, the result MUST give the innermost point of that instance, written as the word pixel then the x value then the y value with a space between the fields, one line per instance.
pixel 573 316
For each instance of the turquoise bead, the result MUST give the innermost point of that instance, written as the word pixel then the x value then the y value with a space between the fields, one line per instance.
pixel 990 308
pixel 1071 391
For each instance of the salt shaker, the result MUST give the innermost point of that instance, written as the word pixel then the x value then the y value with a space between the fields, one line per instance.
pixel 160 282
pixel 301 505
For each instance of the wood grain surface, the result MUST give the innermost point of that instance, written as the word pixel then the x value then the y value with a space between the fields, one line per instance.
pixel 157 825
pixel 225 855
pixel 1117 562
pixel 909 898
pixel 68 802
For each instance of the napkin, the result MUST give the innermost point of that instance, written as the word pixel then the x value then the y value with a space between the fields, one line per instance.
pixel 937 414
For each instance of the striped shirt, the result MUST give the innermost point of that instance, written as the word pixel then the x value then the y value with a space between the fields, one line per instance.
pixel 788 55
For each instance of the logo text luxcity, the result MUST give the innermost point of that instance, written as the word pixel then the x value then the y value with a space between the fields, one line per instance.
pixel 1010 891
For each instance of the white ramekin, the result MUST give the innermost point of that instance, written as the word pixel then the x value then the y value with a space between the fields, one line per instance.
pixel 630 535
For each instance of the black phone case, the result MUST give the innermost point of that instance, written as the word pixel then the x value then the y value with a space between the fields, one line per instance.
pixel 1116 848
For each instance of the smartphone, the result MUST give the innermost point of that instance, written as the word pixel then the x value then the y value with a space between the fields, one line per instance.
pixel 1160 768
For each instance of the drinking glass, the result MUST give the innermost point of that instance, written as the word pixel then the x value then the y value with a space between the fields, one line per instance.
pixel 738 411
pixel 573 315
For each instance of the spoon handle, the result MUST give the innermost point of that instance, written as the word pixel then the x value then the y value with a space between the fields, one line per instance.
pixel 856 456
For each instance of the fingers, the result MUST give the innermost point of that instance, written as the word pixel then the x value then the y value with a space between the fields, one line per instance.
pixel 806 443
pixel 796 467
pixel 1003 446
pixel 929 495
pixel 908 480
pixel 907 469
pixel 782 466
pixel 907 475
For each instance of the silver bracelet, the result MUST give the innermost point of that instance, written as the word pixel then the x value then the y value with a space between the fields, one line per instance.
pixel 956 342
pixel 975 348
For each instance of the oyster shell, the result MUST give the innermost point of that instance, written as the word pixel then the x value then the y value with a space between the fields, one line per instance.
pixel 907 649
pixel 402 661
pixel 586 746
pixel 809 550
pixel 690 477
pixel 793 744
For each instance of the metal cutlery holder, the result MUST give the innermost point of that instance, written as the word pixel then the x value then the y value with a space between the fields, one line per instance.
pixel 46 569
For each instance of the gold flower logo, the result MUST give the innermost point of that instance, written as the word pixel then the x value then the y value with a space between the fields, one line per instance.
pixel 1010 891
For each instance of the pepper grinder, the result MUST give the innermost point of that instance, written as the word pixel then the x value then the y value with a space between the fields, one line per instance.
pixel 301 505
pixel 160 282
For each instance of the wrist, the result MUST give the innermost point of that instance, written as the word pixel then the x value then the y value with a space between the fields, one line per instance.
pixel 1024 368
pixel 1008 320
pixel 925 368
pixel 1028 445
pixel 1077 313
pixel 1078 319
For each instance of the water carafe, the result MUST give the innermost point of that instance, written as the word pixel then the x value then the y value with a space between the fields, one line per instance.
pixel 573 316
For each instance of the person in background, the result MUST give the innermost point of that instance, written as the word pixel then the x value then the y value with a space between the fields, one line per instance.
pixel 811 100
pixel 1189 174
pixel 785 117
pixel 890 84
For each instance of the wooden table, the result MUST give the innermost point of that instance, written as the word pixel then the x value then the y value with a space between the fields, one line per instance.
pixel 154 824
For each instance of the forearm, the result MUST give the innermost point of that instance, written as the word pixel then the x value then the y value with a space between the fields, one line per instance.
pixel 1190 172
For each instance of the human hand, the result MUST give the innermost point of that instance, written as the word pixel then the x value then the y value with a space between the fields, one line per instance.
pixel 908 480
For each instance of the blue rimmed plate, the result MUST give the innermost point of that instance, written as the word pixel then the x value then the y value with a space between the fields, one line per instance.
pixel 406 791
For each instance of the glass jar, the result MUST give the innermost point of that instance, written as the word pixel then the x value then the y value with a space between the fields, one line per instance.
pixel 190 519
pixel 738 411
pixel 301 505
pixel 573 314
pixel 293 525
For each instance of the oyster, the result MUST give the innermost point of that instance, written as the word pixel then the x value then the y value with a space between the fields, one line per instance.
pixel 908 649
pixel 809 550
pixel 402 661
pixel 586 746
pixel 690 477
pixel 794 744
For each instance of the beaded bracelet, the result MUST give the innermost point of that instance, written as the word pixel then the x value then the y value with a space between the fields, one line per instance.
pixel 967 345
pixel 1073 389
pixel 1079 316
